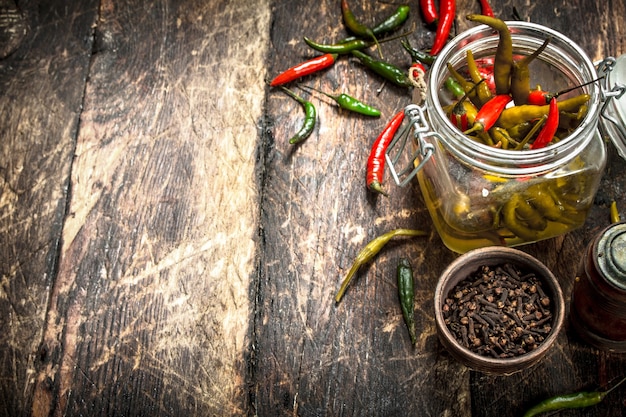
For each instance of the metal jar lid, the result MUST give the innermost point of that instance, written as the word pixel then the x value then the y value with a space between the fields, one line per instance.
pixel 610 252
pixel 614 110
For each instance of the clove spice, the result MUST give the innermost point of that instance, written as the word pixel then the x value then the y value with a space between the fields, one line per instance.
pixel 499 311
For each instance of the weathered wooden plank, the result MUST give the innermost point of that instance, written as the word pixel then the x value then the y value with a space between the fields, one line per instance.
pixel 316 358
pixel 149 312
pixel 42 79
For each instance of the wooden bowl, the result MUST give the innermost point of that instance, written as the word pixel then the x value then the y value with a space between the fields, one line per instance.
pixel 467 265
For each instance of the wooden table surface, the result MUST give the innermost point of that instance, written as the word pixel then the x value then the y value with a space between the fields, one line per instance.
pixel 164 251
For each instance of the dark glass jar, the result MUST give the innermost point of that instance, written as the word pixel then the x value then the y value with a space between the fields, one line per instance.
pixel 598 308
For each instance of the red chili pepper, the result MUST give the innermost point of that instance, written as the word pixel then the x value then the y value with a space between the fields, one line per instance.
pixel 376 160
pixel 489 113
pixel 549 129
pixel 447 13
pixel 429 11
pixel 539 97
pixel 417 70
pixel 486 8
pixel 304 68
pixel 463 113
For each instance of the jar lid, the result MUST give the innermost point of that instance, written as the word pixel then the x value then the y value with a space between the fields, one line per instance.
pixel 611 254
pixel 615 115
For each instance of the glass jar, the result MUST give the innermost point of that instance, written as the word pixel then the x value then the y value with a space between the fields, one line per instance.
pixel 598 307
pixel 479 195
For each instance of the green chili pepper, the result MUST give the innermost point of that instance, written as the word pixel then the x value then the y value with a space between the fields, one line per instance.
pixel 454 87
pixel 527 112
pixel 504 52
pixel 370 251
pixel 529 214
pixel 355 26
pixel 349 103
pixel 417 55
pixel 576 400
pixel 385 69
pixel 310 116
pixel 540 198
pixel 482 89
pixel 520 75
pixel 393 21
pixel 514 224
pixel 338 48
pixel 407 296
pixel 499 135
pixel 519 130
pixel 390 23
pixel 345 47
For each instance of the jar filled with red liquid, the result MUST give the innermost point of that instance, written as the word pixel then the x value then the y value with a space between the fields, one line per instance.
pixel 598 308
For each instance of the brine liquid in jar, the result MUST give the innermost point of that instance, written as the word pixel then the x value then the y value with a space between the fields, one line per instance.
pixel 480 192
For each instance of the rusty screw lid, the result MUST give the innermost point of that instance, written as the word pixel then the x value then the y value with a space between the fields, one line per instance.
pixel 610 252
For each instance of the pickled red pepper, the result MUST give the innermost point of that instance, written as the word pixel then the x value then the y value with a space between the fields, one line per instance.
pixel 489 113
pixel 549 129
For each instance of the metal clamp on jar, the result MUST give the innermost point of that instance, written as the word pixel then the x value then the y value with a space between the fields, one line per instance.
pixel 480 195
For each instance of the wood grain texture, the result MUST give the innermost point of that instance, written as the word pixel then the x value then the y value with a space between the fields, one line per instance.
pixel 149 312
pixel 41 87
pixel 164 251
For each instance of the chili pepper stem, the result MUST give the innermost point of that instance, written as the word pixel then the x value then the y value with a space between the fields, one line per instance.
pixel 377 187
pixel 615 386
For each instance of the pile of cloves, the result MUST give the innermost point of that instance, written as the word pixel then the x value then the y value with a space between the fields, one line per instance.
pixel 499 311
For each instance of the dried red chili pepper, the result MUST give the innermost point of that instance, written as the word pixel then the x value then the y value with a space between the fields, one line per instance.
pixel 447 13
pixel 549 128
pixel 376 160
pixel 486 8
pixel 429 11
pixel 489 113
pixel 305 68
